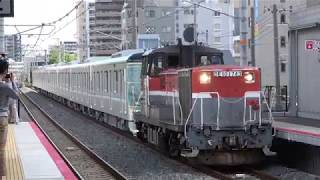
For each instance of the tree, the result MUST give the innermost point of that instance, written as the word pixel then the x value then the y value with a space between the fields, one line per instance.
pixel 65 57
pixel 53 56
pixel 68 57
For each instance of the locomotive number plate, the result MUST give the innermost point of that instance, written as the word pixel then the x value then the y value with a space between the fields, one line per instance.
pixel 227 73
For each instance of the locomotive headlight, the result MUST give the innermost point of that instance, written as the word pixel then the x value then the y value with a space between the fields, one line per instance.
pixel 205 78
pixel 249 77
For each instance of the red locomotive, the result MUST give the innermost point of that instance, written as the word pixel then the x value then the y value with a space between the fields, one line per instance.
pixel 195 106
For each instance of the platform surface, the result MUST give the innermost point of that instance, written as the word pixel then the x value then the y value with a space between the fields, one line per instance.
pixel 298 129
pixel 29 155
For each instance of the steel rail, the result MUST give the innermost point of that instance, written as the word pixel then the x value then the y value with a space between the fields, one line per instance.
pixel 73 169
pixel 117 174
pixel 216 173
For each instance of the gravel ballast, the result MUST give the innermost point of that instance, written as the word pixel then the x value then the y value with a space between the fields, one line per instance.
pixel 131 158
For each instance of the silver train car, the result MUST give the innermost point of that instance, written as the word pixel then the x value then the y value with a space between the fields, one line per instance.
pixel 106 90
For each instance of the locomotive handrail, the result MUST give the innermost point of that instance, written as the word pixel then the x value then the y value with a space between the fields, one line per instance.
pixel 174 108
pixel 192 108
pixel 268 107
pixel 254 95
pixel 246 95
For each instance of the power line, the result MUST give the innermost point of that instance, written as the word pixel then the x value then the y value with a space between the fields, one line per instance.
pixel 38 37
pixel 68 23
pixel 211 9
pixel 67 14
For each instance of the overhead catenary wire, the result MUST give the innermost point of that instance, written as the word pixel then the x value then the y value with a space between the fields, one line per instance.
pixel 211 9
pixel 53 23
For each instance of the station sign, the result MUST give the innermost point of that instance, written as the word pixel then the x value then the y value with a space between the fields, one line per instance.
pixel 312 45
pixel 6 8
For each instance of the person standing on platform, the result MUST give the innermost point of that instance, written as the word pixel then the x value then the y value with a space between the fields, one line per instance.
pixel 13 111
pixel 5 94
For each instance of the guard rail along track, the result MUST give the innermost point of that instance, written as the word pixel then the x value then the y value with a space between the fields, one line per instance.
pixel 85 163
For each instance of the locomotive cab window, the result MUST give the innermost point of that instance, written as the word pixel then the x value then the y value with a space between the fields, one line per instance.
pixel 144 68
pixel 204 60
pixel 155 66
pixel 173 61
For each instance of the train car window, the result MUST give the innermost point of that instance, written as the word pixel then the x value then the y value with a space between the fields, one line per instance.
pixel 110 82
pixel 106 81
pixel 101 82
pixel 86 82
pixel 173 61
pixel 120 81
pixel 98 82
pixel 116 81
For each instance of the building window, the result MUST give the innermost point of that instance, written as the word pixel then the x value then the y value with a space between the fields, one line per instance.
pixel 150 13
pixel 283 41
pixel 282 1
pixel 217 39
pixel 216 13
pixel 282 18
pixel 165 13
pixel 166 29
pixel 217 26
pixel 187 25
pixel 188 11
pixel 283 67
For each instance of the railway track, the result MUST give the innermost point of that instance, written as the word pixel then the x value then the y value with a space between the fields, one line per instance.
pixel 218 173
pixel 85 163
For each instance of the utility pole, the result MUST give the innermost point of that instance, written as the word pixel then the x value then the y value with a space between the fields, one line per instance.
pixel 276 55
pixel 2 49
pixel 45 57
pixel 134 24
pixel 253 29
pixel 243 33
pixel 195 39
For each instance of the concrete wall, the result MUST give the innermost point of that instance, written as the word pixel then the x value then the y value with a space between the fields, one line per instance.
pixel 304 66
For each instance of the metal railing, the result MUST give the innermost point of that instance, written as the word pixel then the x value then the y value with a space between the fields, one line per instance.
pixel 270 94
pixel 202 95
pixel 253 117
pixel 253 114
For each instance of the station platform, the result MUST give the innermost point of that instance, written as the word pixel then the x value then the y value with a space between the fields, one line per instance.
pixel 29 155
pixel 298 129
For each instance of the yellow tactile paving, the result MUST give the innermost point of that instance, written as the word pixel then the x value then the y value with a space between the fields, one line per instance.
pixel 14 169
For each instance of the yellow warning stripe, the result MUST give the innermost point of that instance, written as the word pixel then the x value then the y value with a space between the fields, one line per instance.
pixel 14 170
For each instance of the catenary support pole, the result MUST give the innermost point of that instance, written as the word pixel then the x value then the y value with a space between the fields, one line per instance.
pixel 276 55
pixel 243 33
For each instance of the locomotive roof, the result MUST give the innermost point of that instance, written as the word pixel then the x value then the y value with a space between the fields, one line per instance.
pixel 174 49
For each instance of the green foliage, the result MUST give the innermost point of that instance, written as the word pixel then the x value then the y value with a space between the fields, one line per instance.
pixel 65 57
pixel 53 56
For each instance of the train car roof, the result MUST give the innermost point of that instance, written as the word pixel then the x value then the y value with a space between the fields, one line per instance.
pixel 174 49
pixel 135 56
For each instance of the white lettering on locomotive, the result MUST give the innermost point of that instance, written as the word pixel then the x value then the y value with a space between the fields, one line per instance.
pixel 227 73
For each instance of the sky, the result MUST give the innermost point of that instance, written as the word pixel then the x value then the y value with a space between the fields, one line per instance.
pixel 43 11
